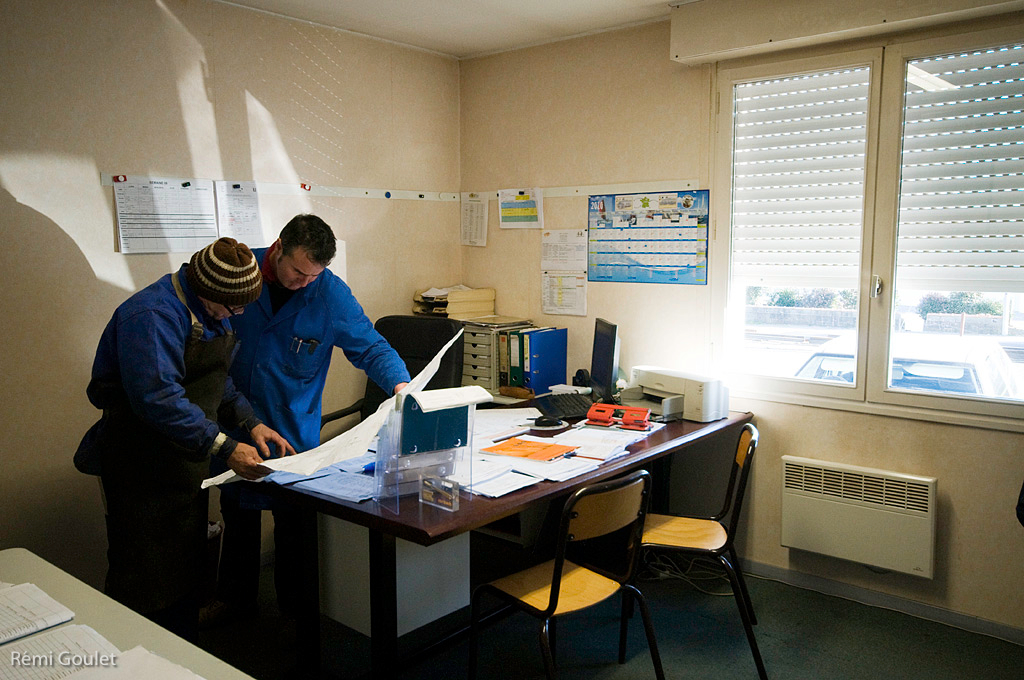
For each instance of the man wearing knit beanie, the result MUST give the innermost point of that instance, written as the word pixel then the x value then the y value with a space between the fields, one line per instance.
pixel 161 378
pixel 225 273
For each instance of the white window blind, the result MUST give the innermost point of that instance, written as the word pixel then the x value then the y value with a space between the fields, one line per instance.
pixel 961 216
pixel 798 179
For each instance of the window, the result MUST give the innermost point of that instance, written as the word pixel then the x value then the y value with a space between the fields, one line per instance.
pixel 799 154
pixel 876 227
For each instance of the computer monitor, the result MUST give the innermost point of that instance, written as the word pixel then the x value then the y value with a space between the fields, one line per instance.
pixel 604 363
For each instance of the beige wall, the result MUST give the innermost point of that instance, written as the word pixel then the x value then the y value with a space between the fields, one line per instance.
pixel 187 89
pixel 613 108
pixel 208 90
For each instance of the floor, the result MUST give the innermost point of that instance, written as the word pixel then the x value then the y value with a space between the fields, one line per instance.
pixel 803 635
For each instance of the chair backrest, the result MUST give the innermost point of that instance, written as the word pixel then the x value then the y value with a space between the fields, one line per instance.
pixel 610 515
pixel 417 339
pixel 745 448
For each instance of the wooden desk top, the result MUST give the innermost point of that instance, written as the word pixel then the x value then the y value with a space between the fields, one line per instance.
pixel 426 525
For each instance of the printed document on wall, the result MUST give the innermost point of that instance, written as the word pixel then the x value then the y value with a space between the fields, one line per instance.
pixel 564 271
pixel 520 209
pixel 474 219
pixel 163 215
pixel 238 212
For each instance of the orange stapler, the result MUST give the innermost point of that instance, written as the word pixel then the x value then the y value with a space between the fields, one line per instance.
pixel 601 414
pixel 635 418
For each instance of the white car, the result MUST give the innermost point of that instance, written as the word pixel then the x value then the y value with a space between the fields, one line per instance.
pixel 935 363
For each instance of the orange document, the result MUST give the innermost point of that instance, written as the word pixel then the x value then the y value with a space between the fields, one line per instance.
pixel 522 448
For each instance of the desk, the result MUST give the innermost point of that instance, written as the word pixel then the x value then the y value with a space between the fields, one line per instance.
pixel 123 627
pixel 427 525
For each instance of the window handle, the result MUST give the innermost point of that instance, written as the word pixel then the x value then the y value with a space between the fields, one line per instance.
pixel 876 286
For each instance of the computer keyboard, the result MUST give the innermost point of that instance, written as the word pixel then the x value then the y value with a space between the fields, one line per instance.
pixel 564 405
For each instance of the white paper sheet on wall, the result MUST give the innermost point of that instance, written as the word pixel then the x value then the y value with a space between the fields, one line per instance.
pixel 563 263
pixel 474 219
pixel 238 212
pixel 520 209
pixel 164 215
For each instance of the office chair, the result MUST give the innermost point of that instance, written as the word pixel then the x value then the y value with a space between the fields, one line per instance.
pixel 416 339
pixel 711 538
pixel 602 521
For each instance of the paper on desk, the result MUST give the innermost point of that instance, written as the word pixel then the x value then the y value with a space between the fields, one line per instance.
pixel 26 609
pixel 493 478
pixel 75 642
pixel 599 443
pixel 346 486
pixel 137 662
pixel 557 470
pixel 503 484
pixel 348 444
pixel 494 424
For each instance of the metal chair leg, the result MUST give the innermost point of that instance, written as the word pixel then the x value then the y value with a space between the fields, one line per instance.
pixel 627 611
pixel 745 616
pixel 743 585
pixel 652 642
pixel 545 648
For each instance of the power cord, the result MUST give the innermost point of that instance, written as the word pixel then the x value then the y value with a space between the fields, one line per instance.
pixel 699 573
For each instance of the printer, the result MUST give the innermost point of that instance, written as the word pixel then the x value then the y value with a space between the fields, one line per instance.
pixel 676 394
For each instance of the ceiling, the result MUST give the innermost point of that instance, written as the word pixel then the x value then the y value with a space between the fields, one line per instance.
pixel 467 28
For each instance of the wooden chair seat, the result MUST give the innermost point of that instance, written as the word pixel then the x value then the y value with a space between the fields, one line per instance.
pixel 713 537
pixel 684 532
pixel 596 557
pixel 581 587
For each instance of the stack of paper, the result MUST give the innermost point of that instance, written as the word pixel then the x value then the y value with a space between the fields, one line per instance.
pixel 493 478
pixel 25 609
pixel 56 654
pixel 455 302
pixel 599 443
pixel 556 471
pixel 532 448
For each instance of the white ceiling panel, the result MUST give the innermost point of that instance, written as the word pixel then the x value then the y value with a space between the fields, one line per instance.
pixel 466 28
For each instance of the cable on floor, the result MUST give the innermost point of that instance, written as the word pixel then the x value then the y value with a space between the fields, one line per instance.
pixel 699 573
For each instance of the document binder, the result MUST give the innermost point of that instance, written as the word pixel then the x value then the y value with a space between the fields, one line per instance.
pixel 544 359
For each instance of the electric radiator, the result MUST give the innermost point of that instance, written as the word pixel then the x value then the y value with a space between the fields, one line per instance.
pixel 875 517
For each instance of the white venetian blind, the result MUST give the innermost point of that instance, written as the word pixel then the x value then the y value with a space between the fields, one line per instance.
pixel 961 217
pixel 798 178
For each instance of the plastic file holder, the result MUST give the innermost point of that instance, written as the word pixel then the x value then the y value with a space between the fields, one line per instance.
pixel 421 441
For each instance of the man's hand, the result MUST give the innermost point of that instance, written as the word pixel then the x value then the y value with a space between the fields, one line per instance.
pixel 245 461
pixel 264 437
pixel 400 386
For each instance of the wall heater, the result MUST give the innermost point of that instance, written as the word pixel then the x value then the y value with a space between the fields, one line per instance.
pixel 876 517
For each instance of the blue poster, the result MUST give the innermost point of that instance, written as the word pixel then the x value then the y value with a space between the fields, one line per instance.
pixel 658 237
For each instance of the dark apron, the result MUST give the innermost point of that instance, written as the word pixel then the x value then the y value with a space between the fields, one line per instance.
pixel 156 510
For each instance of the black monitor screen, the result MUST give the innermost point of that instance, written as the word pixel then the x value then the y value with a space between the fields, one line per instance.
pixel 604 364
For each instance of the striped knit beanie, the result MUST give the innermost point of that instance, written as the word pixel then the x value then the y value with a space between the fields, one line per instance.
pixel 225 272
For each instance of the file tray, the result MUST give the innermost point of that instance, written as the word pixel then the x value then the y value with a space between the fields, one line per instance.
pixel 429 434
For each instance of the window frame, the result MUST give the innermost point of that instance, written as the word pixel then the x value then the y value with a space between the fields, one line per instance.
pixel 870 393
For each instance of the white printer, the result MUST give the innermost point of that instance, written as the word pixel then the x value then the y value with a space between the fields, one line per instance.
pixel 674 394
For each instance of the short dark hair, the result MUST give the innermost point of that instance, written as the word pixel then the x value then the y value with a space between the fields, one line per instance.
pixel 312 234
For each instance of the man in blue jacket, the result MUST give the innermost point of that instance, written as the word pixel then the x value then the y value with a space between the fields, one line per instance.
pixel 287 339
pixel 161 378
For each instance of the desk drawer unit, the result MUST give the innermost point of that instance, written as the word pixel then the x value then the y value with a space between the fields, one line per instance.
pixel 479 361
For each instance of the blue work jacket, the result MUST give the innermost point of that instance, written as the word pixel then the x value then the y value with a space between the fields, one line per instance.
pixel 141 360
pixel 282 361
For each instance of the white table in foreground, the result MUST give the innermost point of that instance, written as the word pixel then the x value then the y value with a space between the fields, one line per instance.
pixel 118 624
